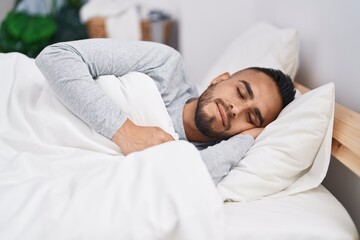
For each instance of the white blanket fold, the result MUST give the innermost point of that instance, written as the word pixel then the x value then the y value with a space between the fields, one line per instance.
pixel 61 180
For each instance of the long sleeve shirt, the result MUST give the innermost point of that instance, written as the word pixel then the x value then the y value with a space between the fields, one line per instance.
pixel 71 67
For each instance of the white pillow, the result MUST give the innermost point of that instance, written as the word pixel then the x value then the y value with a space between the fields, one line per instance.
pixel 274 166
pixel 291 155
pixel 263 46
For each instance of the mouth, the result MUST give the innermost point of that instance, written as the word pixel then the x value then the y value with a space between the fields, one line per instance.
pixel 222 114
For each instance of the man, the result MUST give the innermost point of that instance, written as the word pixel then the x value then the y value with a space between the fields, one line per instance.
pixel 222 122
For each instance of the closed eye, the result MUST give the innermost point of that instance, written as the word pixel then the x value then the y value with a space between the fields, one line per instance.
pixel 259 117
pixel 240 94
pixel 249 118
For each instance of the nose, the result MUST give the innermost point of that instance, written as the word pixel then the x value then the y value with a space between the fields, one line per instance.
pixel 237 109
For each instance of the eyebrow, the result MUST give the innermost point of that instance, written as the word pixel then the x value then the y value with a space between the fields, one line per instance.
pixel 251 94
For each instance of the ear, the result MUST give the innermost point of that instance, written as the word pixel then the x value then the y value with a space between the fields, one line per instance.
pixel 221 77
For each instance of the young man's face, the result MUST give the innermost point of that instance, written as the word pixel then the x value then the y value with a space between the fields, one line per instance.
pixel 234 104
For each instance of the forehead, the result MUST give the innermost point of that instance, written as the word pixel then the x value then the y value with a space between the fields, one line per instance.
pixel 266 94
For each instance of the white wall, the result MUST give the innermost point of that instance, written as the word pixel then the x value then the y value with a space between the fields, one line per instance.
pixel 329 32
pixel 5 6
pixel 329 52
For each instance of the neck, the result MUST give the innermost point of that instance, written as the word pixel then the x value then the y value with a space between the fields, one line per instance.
pixel 192 132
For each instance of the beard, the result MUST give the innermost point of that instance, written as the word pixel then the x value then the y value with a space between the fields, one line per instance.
pixel 204 122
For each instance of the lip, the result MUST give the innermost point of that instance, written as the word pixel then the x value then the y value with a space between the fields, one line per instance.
pixel 222 115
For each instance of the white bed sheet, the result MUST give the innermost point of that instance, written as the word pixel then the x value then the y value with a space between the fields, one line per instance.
pixel 314 214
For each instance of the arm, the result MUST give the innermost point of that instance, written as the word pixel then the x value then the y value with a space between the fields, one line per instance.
pixel 222 157
pixel 70 68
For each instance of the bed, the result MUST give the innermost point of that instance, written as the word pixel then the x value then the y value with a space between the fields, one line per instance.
pixel 61 180
pixel 314 214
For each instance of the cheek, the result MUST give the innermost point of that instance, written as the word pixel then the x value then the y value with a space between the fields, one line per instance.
pixel 222 91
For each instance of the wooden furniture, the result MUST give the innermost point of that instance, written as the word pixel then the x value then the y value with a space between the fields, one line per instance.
pixel 346 135
pixel 147 34
pixel 96 28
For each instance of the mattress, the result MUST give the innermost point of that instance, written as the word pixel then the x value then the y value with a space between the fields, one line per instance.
pixel 314 214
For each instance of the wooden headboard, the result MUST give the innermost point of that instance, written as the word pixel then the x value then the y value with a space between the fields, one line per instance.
pixel 346 135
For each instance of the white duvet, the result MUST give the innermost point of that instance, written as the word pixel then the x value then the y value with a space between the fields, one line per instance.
pixel 61 180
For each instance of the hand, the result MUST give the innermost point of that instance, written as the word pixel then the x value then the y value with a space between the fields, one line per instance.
pixel 254 132
pixel 131 137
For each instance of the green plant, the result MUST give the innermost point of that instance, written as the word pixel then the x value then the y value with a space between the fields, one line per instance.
pixel 24 33
pixel 29 34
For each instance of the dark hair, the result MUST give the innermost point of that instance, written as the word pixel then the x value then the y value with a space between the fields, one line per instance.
pixel 283 82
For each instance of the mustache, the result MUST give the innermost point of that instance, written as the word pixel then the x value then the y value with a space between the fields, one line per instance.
pixel 227 112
